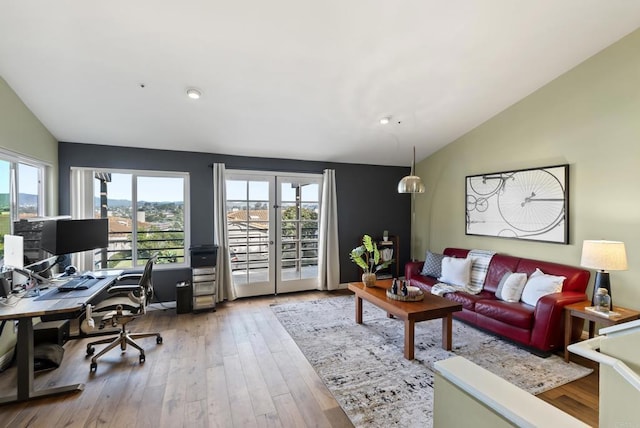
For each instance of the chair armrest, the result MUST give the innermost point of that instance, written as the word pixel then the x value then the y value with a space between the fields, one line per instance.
pixel 129 277
pixel 412 269
pixel 123 289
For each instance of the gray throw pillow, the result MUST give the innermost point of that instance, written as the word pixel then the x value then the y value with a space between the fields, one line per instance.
pixel 432 265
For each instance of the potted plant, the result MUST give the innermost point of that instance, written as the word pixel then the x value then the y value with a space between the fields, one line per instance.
pixel 367 257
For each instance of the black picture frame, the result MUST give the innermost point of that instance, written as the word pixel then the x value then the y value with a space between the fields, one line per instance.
pixel 526 204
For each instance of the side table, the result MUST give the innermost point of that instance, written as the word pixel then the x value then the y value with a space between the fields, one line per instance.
pixel 577 310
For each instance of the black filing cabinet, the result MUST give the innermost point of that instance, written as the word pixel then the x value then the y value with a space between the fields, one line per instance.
pixel 203 276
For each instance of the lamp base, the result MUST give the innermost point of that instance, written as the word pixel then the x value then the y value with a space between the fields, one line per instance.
pixel 602 281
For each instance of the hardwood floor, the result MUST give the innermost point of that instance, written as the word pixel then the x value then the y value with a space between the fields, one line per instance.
pixel 579 398
pixel 236 367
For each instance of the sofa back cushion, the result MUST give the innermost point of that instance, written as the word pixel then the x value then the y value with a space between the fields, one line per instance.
pixel 460 253
pixel 500 264
pixel 577 279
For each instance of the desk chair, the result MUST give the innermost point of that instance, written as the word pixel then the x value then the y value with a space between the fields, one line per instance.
pixel 128 303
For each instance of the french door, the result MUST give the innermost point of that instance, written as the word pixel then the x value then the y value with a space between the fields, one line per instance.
pixel 273 224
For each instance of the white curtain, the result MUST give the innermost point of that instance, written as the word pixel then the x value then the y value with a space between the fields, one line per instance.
pixel 224 282
pixel 329 258
pixel 81 208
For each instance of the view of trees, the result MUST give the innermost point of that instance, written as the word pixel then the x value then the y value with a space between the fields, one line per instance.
pixel 308 230
pixel 161 232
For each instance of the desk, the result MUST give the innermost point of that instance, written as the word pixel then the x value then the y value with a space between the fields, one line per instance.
pixel 577 310
pixel 24 311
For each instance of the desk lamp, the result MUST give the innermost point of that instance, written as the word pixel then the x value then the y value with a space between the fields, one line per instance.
pixel 603 256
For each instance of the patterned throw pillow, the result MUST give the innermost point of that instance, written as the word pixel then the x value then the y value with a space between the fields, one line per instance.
pixel 432 265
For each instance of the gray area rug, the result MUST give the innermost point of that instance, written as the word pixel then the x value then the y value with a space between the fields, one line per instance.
pixel 363 365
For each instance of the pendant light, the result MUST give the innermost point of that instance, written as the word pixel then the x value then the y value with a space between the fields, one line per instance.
pixel 411 183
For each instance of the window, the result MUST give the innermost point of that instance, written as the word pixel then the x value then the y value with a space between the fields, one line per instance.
pixel 21 192
pixel 147 214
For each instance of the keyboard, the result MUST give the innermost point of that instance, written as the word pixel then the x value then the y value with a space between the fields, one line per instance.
pixel 79 283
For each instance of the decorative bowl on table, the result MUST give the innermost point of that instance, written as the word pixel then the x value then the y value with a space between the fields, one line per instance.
pixel 414 294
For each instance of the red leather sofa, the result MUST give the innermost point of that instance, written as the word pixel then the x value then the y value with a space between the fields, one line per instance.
pixel 539 328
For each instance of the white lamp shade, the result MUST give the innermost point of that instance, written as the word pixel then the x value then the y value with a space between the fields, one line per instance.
pixel 604 255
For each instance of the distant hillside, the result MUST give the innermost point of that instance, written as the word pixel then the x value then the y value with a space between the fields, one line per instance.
pixel 27 199
pixel 23 198
pixel 114 203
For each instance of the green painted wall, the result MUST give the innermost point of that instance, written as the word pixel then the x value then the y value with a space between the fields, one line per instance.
pixel 22 133
pixel 589 118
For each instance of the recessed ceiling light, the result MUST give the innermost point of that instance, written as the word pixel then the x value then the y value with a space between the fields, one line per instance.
pixel 385 120
pixel 193 93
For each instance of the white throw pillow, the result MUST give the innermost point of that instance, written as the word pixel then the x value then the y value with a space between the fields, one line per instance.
pixel 456 271
pixel 540 284
pixel 511 286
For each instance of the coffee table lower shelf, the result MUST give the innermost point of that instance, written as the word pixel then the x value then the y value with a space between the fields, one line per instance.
pixel 431 307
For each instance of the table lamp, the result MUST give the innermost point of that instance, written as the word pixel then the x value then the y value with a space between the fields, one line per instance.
pixel 603 256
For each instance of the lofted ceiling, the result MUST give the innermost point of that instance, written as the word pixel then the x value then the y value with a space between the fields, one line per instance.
pixel 292 79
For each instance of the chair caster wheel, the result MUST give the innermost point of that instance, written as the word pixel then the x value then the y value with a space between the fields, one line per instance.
pixel 141 358
pixel 159 340
pixel 93 367
pixel 90 350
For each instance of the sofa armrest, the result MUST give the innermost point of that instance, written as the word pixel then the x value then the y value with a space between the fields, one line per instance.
pixel 548 328
pixel 412 269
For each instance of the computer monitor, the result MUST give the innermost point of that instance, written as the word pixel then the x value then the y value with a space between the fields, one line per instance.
pixel 73 236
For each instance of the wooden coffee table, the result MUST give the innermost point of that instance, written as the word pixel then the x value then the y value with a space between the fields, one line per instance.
pixel 432 307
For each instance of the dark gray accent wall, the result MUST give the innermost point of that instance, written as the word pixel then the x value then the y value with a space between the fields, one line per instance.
pixel 368 201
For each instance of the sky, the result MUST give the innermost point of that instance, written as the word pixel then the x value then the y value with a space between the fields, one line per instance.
pixel 28 177
pixel 162 189
pixel 242 190
pixel 150 189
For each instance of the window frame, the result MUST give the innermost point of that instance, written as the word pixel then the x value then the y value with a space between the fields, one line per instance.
pixel 14 160
pixel 135 173
pixel 14 182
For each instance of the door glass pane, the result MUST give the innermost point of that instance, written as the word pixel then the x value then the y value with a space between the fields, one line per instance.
pixel 160 219
pixel 299 226
pixel 28 191
pixel 5 203
pixel 248 227
pixel 113 199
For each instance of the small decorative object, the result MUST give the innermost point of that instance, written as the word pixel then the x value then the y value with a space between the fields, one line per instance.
pixel 405 290
pixel 385 235
pixel 394 286
pixel 602 300
pixel 414 294
pixel 369 279
pixel 386 254
pixel 367 257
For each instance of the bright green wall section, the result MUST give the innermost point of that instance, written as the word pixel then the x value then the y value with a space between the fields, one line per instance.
pixel 22 133
pixel 589 118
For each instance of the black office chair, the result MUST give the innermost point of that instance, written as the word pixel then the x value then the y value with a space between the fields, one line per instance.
pixel 128 303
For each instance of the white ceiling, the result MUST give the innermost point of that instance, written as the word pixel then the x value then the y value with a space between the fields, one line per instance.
pixel 293 79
